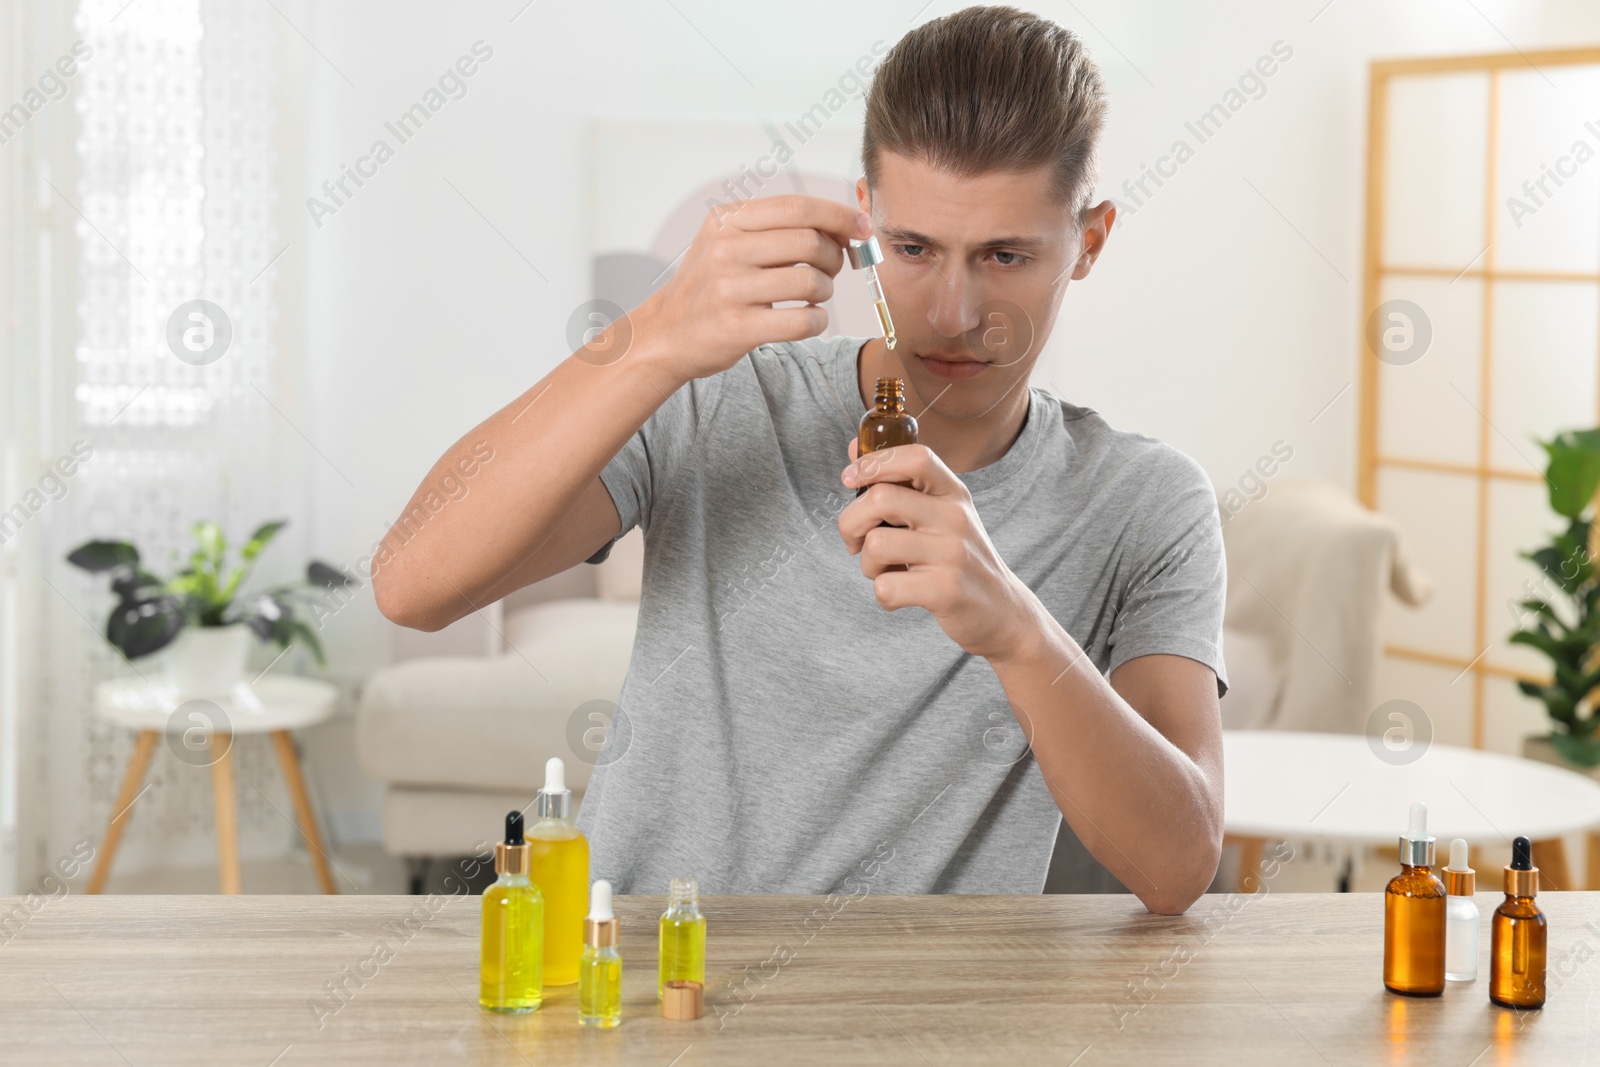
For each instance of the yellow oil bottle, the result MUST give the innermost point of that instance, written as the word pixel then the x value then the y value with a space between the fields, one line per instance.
pixel 600 971
pixel 683 937
pixel 512 951
pixel 559 866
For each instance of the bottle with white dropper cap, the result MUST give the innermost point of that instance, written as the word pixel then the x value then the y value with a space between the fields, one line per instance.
pixel 559 866
pixel 1414 916
pixel 600 970
pixel 1461 917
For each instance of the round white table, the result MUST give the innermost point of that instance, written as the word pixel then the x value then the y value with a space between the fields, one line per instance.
pixel 200 732
pixel 1334 788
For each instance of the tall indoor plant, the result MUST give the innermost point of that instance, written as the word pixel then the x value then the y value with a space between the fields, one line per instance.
pixel 1562 618
pixel 200 611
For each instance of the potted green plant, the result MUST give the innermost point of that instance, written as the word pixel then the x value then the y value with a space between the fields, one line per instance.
pixel 1564 622
pixel 200 613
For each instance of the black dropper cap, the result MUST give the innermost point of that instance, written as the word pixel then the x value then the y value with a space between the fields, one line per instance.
pixel 514 828
pixel 1522 854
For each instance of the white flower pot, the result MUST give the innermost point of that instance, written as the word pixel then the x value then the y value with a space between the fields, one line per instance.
pixel 208 661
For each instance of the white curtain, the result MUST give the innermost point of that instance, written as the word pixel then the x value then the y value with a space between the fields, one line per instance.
pixel 171 198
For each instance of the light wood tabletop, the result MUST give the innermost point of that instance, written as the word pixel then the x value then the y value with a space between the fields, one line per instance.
pixel 1272 978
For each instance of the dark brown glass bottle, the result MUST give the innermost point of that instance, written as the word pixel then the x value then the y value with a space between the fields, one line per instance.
pixel 888 423
pixel 1518 934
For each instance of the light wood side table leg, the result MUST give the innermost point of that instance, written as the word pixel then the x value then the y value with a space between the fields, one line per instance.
pixel 283 741
pixel 1550 856
pixel 1593 864
pixel 227 814
pixel 1248 878
pixel 137 765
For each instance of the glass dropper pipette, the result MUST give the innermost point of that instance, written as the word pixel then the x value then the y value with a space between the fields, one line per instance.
pixel 866 255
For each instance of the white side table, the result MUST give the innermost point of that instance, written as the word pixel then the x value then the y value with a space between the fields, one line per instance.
pixel 271 705
pixel 1282 785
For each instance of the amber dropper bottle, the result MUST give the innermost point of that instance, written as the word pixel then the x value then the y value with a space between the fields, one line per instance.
pixel 1414 916
pixel 1517 936
pixel 888 423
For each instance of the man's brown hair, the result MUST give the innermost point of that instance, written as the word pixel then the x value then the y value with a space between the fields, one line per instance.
pixel 990 89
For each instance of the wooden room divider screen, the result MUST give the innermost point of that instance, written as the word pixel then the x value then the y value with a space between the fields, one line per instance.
pixel 1481 307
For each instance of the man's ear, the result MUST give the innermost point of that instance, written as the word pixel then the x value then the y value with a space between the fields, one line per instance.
pixel 863 195
pixel 1094 233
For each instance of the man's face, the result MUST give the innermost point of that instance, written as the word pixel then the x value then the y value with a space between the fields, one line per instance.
pixel 974 270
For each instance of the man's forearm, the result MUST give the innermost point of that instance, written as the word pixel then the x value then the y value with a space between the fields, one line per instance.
pixel 1139 803
pixel 548 444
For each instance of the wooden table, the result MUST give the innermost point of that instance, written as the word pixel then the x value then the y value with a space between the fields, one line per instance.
pixel 1272 978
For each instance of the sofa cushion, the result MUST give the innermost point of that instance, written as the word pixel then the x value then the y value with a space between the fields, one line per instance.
pixel 423 821
pixel 487 723
pixel 580 621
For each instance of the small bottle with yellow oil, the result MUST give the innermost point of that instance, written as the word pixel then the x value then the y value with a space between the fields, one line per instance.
pixel 1518 935
pixel 1414 911
pixel 559 866
pixel 512 960
pixel 600 969
pixel 683 938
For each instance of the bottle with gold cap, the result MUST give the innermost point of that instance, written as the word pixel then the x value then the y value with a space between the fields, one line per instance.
pixel 1517 936
pixel 559 865
pixel 1414 916
pixel 513 930
pixel 600 969
pixel 1460 917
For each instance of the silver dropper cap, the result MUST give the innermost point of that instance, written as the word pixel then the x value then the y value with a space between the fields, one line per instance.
pixel 1416 844
pixel 555 799
pixel 864 253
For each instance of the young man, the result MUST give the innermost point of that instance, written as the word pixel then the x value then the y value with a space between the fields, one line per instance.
pixel 818 702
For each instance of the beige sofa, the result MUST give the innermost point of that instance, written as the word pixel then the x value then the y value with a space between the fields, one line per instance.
pixel 457 741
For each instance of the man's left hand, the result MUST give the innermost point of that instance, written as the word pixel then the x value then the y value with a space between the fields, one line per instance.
pixel 952 570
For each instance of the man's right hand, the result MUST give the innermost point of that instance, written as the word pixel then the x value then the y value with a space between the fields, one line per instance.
pixel 747 257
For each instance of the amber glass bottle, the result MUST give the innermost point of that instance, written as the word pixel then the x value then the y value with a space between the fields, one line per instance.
pixel 888 423
pixel 1517 932
pixel 1414 916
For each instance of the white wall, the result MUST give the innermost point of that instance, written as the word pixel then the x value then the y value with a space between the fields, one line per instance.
pixel 1223 317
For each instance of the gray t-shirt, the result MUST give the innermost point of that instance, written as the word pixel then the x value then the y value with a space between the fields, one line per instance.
pixel 778 731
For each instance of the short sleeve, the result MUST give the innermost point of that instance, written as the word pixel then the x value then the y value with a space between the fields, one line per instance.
pixel 638 476
pixel 1177 587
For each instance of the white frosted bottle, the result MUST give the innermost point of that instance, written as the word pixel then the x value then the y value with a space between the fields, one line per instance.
pixel 1460 917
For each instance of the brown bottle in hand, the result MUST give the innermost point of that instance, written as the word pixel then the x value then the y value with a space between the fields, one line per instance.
pixel 1517 936
pixel 887 424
